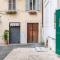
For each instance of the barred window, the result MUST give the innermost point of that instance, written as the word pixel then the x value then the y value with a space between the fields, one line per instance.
pixel 12 4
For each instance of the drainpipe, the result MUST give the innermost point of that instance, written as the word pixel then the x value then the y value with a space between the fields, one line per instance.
pixel 42 13
pixel 42 25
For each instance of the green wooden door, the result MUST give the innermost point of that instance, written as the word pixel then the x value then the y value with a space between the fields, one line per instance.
pixel 58 32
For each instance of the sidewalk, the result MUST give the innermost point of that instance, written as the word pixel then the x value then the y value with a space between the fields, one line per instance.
pixel 30 54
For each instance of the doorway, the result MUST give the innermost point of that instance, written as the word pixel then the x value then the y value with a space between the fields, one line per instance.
pixel 32 32
pixel 14 33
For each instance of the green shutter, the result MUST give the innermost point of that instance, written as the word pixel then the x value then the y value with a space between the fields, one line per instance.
pixel 58 32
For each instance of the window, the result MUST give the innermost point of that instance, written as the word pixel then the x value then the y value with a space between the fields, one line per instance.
pixel 33 4
pixel 12 4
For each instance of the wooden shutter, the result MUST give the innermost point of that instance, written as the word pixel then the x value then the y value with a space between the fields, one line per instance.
pixel 37 5
pixel 27 5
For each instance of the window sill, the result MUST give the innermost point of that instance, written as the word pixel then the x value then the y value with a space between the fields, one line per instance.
pixel 32 12
pixel 11 12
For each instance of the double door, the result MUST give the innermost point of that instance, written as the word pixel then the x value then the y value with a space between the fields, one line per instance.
pixel 32 33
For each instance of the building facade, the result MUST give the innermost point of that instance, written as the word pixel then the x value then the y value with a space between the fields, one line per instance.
pixel 49 30
pixel 23 20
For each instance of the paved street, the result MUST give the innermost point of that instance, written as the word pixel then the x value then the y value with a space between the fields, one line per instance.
pixel 31 54
pixel 5 50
